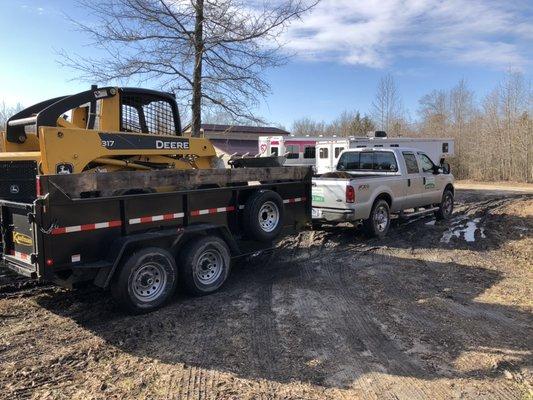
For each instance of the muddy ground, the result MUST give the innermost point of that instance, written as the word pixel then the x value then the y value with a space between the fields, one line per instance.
pixel 437 310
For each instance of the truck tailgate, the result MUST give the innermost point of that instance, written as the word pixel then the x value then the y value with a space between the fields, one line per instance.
pixel 330 193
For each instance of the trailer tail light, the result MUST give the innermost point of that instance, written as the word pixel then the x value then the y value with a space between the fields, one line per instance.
pixel 350 194
pixel 49 262
pixel 38 186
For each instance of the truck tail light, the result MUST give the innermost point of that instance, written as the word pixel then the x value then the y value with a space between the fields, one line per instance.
pixel 350 194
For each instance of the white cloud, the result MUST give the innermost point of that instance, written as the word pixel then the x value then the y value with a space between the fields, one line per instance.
pixel 376 33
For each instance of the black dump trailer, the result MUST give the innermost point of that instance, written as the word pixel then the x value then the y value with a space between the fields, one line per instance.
pixel 116 231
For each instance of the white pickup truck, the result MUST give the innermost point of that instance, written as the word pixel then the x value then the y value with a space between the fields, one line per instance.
pixel 372 183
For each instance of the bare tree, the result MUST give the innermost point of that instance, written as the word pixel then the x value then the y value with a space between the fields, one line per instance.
pixel 387 106
pixel 211 53
pixel 309 127
pixel 492 142
pixel 434 112
pixel 6 112
pixel 351 124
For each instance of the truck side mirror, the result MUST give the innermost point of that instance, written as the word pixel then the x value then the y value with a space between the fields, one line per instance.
pixel 445 168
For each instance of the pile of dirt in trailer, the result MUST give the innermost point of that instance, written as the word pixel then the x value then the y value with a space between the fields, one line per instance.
pixel 436 310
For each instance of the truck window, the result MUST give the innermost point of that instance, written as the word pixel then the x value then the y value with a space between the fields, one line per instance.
pixel 385 161
pixel 293 151
pixel 274 151
pixel 310 152
pixel 425 163
pixel 410 163
pixel 323 152
pixel 338 151
pixel 348 161
pixel 366 161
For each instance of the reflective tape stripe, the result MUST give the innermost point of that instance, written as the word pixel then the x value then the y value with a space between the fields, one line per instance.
pixel 285 201
pixel 196 213
pixel 155 218
pixel 86 227
pixel 295 200
pixel 20 256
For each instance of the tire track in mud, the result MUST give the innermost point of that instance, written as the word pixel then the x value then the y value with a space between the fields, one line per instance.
pixel 377 342
pixel 366 331
pixel 318 343
pixel 264 338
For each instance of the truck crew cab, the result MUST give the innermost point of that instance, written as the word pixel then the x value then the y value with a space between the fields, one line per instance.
pixel 370 184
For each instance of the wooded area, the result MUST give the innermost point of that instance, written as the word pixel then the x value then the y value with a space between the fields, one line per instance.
pixel 493 135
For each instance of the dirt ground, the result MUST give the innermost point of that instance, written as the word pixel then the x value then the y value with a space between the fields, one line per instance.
pixel 437 310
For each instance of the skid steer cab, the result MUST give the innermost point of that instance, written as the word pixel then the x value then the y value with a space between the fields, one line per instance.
pixel 101 130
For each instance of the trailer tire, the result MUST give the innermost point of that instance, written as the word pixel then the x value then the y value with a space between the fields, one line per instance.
pixel 446 206
pixel 263 215
pixel 146 280
pixel 378 223
pixel 204 265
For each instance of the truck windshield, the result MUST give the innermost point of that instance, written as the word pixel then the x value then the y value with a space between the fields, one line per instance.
pixel 383 161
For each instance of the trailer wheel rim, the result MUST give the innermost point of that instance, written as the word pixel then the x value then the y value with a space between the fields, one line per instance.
pixel 209 267
pixel 268 216
pixel 381 218
pixel 149 281
pixel 447 204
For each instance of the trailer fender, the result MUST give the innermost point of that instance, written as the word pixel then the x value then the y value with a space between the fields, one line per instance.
pixel 171 239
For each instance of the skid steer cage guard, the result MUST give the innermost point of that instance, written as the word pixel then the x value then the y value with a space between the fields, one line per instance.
pixel 47 113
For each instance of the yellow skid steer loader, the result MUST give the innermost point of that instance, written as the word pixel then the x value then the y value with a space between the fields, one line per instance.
pixel 104 130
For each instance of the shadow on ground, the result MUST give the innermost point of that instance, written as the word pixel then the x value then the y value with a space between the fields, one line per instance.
pixel 327 319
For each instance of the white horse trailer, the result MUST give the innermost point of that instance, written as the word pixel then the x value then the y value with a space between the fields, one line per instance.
pixel 329 150
pixel 299 151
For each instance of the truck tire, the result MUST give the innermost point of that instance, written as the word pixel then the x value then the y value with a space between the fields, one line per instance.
pixel 263 215
pixel 146 280
pixel 446 206
pixel 378 223
pixel 204 265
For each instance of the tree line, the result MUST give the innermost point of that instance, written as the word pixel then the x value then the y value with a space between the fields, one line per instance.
pixel 493 134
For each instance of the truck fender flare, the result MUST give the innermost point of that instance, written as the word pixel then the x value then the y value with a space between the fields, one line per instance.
pixel 173 239
pixel 383 192
pixel 449 186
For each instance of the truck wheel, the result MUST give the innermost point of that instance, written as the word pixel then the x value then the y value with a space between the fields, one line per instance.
pixel 146 280
pixel 263 215
pixel 205 265
pixel 377 225
pixel 446 206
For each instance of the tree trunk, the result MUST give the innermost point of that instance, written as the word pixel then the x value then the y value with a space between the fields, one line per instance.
pixel 197 74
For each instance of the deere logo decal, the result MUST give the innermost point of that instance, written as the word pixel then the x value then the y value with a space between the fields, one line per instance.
pixel 20 238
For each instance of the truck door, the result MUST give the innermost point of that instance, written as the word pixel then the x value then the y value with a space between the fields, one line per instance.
pixel 413 182
pixel 432 189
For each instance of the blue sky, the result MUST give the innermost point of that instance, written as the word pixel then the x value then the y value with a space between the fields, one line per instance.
pixel 341 51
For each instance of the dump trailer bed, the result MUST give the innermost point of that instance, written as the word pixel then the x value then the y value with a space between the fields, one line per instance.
pixel 78 230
